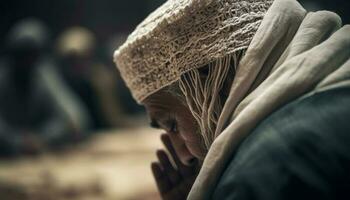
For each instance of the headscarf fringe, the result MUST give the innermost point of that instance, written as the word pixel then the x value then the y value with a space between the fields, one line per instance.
pixel 202 93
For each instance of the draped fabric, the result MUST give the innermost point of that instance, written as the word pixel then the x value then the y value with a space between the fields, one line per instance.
pixel 292 55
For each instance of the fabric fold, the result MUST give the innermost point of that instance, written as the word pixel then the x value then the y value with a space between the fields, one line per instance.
pixel 304 53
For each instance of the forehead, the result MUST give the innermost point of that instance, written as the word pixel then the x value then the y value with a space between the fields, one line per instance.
pixel 160 102
pixel 159 99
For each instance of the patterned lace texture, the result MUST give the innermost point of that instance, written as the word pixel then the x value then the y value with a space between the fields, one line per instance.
pixel 182 35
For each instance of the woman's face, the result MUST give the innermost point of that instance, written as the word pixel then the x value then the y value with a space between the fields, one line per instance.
pixel 168 113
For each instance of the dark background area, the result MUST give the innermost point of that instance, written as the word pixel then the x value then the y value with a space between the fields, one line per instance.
pixel 108 17
pixel 103 16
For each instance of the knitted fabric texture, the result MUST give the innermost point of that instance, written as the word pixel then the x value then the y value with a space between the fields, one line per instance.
pixel 182 35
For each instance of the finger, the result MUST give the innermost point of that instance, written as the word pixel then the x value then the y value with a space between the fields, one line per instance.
pixel 169 146
pixel 184 170
pixel 162 181
pixel 168 168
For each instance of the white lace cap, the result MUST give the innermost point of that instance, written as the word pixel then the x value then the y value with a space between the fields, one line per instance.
pixel 182 35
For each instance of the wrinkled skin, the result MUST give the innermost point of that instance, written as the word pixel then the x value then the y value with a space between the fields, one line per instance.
pixel 182 141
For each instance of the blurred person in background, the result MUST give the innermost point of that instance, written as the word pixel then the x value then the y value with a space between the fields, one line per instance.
pixel 255 94
pixel 37 109
pixel 130 111
pixel 90 79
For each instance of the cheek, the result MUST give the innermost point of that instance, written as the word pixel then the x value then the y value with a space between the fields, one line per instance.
pixel 187 125
pixel 188 129
pixel 196 150
pixel 190 134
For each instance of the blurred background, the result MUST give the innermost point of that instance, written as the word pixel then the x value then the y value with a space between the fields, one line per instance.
pixel 69 128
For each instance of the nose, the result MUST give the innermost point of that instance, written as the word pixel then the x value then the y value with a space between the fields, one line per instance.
pixel 181 150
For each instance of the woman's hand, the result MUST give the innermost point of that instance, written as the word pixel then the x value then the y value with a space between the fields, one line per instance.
pixel 173 181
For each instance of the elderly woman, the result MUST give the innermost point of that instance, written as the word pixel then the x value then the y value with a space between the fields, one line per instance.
pixel 253 94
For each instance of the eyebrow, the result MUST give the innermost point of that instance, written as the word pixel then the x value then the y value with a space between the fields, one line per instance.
pixel 154 123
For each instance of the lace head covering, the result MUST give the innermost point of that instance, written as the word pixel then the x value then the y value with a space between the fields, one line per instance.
pixel 182 35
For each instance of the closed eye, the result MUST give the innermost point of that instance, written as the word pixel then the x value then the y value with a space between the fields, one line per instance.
pixel 170 126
